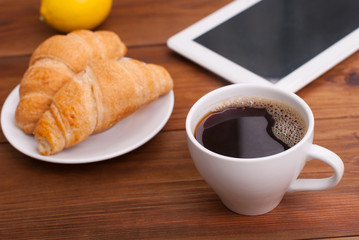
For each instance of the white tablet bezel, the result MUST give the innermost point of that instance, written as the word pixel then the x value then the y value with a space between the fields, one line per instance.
pixel 184 44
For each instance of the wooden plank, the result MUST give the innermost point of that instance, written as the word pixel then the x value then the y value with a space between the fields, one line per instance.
pixel 335 93
pixel 141 22
pixel 155 192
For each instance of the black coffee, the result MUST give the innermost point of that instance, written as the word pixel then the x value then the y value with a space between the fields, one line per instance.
pixel 251 127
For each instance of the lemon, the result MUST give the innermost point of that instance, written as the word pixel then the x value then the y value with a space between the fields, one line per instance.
pixel 68 15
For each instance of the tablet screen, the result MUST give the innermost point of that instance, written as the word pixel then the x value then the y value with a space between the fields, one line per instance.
pixel 274 37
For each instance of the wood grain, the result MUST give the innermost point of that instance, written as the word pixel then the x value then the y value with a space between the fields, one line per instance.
pixel 141 22
pixel 155 191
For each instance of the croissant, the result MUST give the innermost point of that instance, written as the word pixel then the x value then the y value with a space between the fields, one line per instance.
pixel 55 62
pixel 97 98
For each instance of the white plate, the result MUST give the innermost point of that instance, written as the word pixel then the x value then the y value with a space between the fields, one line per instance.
pixel 127 135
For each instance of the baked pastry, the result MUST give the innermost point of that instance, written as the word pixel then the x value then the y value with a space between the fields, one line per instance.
pixel 97 98
pixel 55 62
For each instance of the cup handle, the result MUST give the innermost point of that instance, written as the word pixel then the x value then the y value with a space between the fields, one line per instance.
pixel 327 156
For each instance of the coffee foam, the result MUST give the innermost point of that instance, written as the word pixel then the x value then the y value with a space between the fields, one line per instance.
pixel 289 127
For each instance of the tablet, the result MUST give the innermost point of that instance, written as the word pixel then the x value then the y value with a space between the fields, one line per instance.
pixel 288 43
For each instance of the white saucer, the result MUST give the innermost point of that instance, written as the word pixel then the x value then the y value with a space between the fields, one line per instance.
pixel 127 135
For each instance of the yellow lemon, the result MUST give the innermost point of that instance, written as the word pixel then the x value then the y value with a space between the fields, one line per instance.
pixel 68 15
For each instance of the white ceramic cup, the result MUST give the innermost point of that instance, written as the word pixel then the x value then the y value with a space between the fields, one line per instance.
pixel 254 186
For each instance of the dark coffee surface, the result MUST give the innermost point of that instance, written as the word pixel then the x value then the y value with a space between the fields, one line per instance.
pixel 239 132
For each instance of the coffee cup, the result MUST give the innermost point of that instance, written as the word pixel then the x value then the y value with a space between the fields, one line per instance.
pixel 256 185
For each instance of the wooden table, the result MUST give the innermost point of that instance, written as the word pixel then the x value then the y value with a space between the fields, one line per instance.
pixel 155 192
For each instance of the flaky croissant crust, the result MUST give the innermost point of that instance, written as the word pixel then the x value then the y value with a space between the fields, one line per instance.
pixel 97 98
pixel 55 62
pixel 78 84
